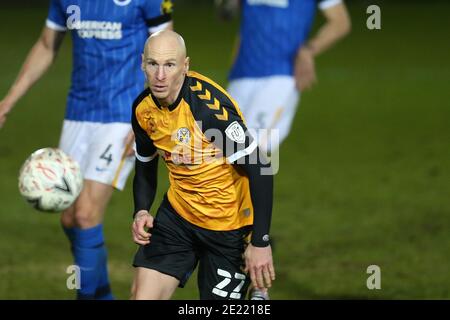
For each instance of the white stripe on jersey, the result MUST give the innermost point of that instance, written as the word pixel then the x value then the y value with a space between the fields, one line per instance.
pixel 145 159
pixel 244 152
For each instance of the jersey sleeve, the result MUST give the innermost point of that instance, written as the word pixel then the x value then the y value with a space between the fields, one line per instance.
pixel 157 14
pixel 223 123
pixel 325 4
pixel 237 142
pixel 56 18
pixel 145 150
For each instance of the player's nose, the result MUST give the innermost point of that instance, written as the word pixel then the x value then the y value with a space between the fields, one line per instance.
pixel 160 73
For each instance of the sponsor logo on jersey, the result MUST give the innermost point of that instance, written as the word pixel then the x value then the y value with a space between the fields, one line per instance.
pixel 106 30
pixel 235 132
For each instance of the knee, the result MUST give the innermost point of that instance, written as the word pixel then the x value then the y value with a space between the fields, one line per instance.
pixel 68 217
pixel 86 215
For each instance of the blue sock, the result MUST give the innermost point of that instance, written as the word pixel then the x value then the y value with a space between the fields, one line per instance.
pixel 103 291
pixel 87 246
pixel 90 255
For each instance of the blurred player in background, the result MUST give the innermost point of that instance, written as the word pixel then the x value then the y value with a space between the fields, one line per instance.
pixel 107 36
pixel 217 196
pixel 275 60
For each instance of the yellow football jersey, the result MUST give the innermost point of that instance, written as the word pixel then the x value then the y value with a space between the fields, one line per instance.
pixel 199 136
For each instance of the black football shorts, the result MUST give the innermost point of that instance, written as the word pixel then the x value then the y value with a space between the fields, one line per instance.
pixel 177 246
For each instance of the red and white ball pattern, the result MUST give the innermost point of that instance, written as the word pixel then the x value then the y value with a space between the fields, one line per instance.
pixel 50 180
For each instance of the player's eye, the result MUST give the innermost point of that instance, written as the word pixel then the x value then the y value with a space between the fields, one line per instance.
pixel 170 65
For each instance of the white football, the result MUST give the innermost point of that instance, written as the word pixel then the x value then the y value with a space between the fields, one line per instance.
pixel 50 180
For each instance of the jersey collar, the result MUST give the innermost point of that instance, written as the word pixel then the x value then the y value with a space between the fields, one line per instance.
pixel 175 104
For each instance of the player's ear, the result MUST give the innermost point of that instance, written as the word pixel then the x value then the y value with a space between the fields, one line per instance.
pixel 186 65
pixel 142 62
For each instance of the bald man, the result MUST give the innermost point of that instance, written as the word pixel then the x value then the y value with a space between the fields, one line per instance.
pixel 217 210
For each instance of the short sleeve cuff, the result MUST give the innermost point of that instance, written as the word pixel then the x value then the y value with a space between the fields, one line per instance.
pixel 160 27
pixel 145 159
pixel 323 5
pixel 236 156
pixel 55 26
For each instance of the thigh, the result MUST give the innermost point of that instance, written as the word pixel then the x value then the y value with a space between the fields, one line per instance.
pixel 89 208
pixel 150 284
pixel 221 274
pixel 171 248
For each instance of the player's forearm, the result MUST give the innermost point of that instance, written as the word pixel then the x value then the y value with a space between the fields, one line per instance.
pixel 145 184
pixel 36 64
pixel 338 25
pixel 327 36
pixel 227 9
pixel 261 191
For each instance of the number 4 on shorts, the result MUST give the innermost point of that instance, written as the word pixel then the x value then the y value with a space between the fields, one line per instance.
pixel 107 156
pixel 222 284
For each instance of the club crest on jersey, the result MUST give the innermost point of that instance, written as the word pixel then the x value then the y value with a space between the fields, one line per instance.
pixel 183 135
pixel 235 132
pixel 122 3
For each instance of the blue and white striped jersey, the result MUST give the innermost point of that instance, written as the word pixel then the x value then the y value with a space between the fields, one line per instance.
pixel 270 34
pixel 108 37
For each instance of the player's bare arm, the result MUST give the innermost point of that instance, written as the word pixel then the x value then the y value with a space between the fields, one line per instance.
pixel 336 27
pixel 36 64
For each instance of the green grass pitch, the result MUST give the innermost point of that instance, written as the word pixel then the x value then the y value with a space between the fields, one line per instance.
pixel 364 176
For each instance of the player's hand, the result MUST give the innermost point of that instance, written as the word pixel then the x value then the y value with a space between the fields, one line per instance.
pixel 259 263
pixel 129 144
pixel 142 220
pixel 305 70
pixel 5 107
